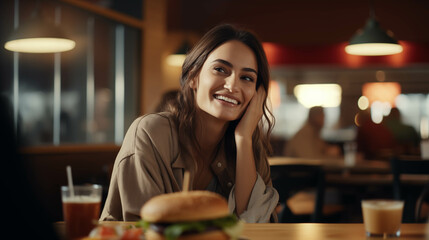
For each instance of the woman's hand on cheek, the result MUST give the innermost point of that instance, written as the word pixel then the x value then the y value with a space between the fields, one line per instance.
pixel 251 117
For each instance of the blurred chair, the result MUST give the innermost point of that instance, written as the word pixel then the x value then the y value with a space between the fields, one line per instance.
pixel 289 180
pixel 302 190
pixel 422 206
pixel 278 144
pixel 409 166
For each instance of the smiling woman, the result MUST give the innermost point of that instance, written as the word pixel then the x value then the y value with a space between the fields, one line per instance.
pixel 216 133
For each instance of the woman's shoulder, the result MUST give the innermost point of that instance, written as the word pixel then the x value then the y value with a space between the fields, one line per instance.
pixel 154 123
pixel 156 129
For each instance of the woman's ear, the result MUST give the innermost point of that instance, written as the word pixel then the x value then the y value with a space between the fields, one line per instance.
pixel 193 84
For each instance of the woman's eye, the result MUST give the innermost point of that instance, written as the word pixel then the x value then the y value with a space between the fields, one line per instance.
pixel 219 69
pixel 247 78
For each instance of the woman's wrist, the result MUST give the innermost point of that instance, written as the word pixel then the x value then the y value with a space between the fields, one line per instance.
pixel 243 141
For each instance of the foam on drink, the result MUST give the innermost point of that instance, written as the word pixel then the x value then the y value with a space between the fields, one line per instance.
pixel 82 199
pixel 382 204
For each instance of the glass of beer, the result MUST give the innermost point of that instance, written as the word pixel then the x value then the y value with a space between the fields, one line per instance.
pixel 81 209
pixel 382 218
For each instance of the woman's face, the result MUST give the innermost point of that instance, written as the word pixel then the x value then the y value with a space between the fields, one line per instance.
pixel 227 81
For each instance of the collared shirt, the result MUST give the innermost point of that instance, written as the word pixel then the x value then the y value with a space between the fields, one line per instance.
pixel 149 163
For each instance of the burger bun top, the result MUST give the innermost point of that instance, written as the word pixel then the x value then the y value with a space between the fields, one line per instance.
pixel 184 207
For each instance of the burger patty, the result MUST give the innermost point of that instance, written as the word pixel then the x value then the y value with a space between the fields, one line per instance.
pixel 160 228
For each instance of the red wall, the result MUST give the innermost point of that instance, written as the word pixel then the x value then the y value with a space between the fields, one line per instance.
pixel 278 55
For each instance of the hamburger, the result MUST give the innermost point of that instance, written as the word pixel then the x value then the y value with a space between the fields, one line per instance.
pixel 189 215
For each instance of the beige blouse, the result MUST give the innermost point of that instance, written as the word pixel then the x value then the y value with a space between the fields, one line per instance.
pixel 149 164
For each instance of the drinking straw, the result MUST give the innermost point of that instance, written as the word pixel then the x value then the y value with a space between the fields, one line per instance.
pixel 70 181
pixel 185 186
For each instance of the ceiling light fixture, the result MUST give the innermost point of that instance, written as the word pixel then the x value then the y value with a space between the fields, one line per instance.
pixel 179 56
pixel 38 36
pixel 372 40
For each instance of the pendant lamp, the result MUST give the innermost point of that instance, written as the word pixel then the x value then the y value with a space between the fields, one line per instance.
pixel 372 40
pixel 179 56
pixel 38 36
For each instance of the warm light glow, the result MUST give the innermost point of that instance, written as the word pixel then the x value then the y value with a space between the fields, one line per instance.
pixel 40 45
pixel 402 101
pixel 308 231
pixel 381 91
pixel 274 94
pixel 363 103
pixel 358 121
pixel 424 128
pixel 325 95
pixel 176 59
pixel 373 49
pixel 379 110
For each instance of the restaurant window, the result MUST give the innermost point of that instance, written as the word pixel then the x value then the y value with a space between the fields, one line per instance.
pixel 411 99
pixel 86 95
pixel 295 100
pixel 291 115
pixel 414 110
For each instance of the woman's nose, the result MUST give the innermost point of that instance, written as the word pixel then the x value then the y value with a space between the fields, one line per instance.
pixel 231 83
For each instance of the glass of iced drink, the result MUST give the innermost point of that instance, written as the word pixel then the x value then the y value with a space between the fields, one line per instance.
pixel 81 209
pixel 382 218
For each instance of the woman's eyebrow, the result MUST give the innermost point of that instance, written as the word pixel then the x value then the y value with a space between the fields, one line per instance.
pixel 230 65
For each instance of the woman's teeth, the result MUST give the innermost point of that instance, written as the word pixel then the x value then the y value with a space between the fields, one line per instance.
pixel 226 99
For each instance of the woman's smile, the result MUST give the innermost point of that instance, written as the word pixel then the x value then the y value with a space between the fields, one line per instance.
pixel 225 99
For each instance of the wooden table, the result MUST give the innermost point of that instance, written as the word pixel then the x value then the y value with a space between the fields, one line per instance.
pixel 364 179
pixel 307 231
pixel 336 165
pixel 310 231
pixel 363 172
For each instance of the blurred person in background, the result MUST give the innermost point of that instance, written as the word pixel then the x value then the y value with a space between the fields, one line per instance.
pixel 407 140
pixel 308 143
pixel 374 141
pixel 168 101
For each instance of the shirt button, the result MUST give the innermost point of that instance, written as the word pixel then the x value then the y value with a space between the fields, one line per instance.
pixel 229 184
pixel 219 164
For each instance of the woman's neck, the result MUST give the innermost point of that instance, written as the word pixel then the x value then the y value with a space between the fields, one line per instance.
pixel 209 132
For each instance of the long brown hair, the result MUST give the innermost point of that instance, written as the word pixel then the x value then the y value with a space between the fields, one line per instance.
pixel 185 113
